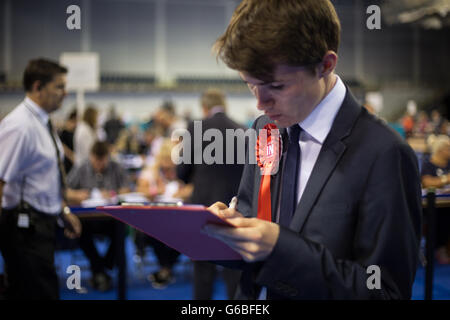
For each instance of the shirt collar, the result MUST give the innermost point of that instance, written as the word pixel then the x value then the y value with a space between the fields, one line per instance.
pixel 318 123
pixel 37 110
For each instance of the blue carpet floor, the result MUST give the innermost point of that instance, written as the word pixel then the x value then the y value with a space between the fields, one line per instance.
pixel 139 288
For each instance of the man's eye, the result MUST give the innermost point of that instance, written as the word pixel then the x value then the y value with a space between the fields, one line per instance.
pixel 276 86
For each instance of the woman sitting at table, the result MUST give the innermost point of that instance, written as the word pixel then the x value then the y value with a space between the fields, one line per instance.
pixel 158 182
pixel 436 173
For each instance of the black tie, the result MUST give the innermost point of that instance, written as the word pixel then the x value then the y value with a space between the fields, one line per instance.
pixel 62 172
pixel 290 177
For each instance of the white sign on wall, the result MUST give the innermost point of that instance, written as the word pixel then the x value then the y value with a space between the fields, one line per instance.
pixel 84 70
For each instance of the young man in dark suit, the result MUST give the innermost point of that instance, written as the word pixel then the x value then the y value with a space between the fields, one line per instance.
pixel 346 199
pixel 212 182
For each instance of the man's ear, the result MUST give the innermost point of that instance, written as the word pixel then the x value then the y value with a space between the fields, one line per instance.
pixel 36 86
pixel 329 62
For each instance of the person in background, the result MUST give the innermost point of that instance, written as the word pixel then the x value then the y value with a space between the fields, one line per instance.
pixel 408 124
pixel 149 136
pixel 166 120
pixel 226 177
pixel 128 141
pixel 422 126
pixel 98 174
pixel 161 125
pixel 158 182
pixel 66 136
pixel 85 134
pixel 113 126
pixel 436 169
pixel 436 121
pixel 436 174
pixel 32 185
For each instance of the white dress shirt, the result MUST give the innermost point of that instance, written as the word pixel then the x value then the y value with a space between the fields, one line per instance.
pixel 28 162
pixel 315 129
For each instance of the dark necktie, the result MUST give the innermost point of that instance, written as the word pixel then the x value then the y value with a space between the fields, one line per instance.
pixel 62 172
pixel 289 185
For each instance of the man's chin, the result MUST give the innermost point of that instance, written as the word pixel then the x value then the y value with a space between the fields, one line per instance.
pixel 280 124
pixel 56 107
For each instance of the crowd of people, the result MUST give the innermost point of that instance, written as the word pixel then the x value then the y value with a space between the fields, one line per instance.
pixel 429 136
pixel 90 167
pixel 423 124
pixel 96 159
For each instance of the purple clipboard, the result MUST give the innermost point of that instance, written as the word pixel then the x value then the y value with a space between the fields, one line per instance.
pixel 177 227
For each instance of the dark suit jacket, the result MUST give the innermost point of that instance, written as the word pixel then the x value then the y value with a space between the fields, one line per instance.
pixel 361 207
pixel 213 182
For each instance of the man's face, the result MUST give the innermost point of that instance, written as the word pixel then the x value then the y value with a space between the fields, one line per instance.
pixel 99 163
pixel 290 97
pixel 53 93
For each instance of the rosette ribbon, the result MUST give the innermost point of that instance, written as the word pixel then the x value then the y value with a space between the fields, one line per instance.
pixel 268 155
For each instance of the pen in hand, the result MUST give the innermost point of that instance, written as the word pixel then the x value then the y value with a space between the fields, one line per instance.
pixel 233 203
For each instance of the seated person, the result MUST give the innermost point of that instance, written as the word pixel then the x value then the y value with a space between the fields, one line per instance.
pixel 436 173
pixel 102 176
pixel 158 182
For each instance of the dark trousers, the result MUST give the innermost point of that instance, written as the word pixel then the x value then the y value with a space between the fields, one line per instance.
pixel 29 256
pixel 442 227
pixel 91 228
pixel 166 256
pixel 204 277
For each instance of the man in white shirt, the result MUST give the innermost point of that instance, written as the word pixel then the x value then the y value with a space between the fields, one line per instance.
pixel 32 185
pixel 347 196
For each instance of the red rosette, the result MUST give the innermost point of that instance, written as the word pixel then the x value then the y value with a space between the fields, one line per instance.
pixel 268 149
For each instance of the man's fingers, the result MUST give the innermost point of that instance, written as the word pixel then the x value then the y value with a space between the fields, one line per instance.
pixel 247 249
pixel 69 234
pixel 242 222
pixel 252 238
pixel 243 230
pixel 216 207
pixel 73 227
pixel 229 214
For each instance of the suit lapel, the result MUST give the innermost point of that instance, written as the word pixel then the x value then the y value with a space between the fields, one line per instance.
pixel 332 150
pixel 325 164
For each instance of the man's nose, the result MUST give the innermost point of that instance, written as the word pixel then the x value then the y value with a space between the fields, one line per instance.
pixel 263 98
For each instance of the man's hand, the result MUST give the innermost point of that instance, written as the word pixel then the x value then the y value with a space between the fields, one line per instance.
pixel 77 196
pixel 221 209
pixel 252 238
pixel 72 226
